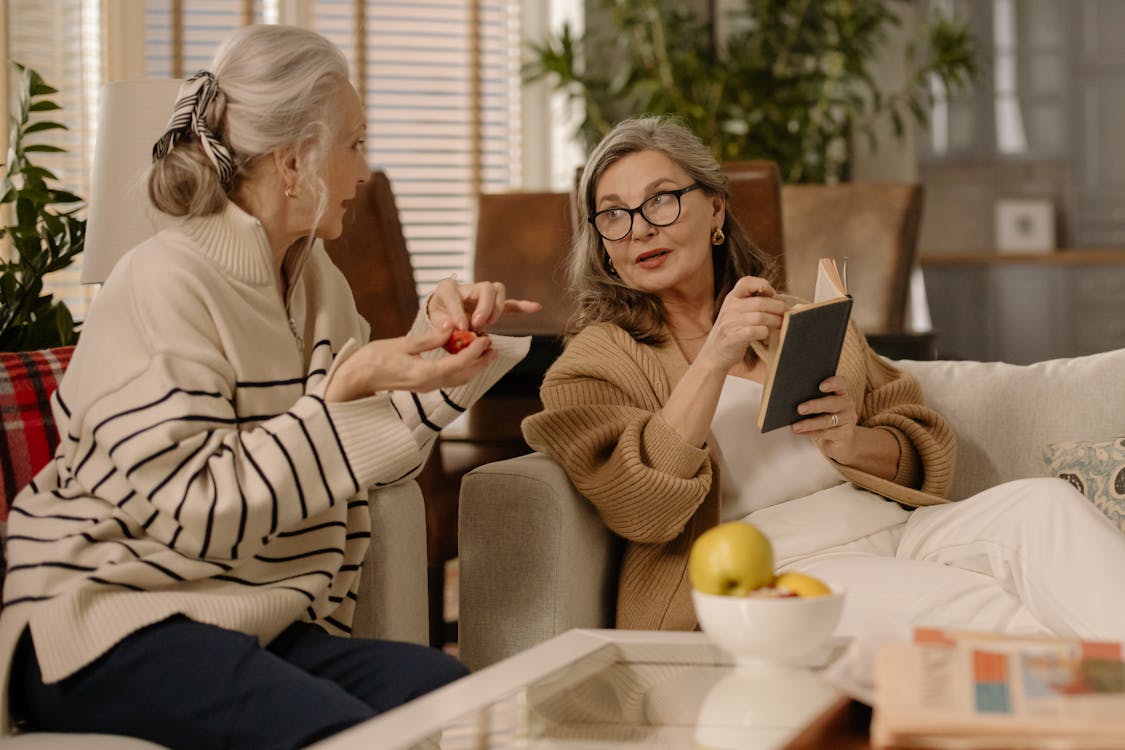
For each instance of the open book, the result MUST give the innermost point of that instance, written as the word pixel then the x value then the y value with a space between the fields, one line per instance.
pixel 977 691
pixel 806 350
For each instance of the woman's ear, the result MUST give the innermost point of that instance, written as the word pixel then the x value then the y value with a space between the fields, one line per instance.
pixel 287 162
pixel 719 210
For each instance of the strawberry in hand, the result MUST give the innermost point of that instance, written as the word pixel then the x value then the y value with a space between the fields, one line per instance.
pixel 458 340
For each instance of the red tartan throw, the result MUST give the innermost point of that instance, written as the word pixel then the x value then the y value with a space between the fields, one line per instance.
pixel 29 436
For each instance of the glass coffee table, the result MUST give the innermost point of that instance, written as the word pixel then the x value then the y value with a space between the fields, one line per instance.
pixel 607 689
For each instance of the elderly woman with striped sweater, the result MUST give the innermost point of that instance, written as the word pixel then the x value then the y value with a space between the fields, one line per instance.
pixel 185 569
pixel 651 411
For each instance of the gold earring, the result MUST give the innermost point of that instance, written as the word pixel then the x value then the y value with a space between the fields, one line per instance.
pixel 717 236
pixel 612 268
pixel 290 192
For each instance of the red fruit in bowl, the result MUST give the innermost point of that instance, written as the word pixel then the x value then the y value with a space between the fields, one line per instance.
pixel 458 340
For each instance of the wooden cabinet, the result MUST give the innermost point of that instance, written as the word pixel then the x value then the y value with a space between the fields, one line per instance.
pixel 1024 309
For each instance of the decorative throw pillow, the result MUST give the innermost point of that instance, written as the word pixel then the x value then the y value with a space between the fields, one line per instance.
pixel 28 435
pixel 1097 470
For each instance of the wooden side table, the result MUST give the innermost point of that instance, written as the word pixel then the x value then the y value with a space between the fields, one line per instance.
pixel 845 725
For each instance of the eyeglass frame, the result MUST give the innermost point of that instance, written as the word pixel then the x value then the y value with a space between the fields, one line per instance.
pixel 679 194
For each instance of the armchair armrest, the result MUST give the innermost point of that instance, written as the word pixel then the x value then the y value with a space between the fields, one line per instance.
pixel 392 603
pixel 535 559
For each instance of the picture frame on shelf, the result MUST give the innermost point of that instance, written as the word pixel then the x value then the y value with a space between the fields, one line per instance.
pixel 1025 225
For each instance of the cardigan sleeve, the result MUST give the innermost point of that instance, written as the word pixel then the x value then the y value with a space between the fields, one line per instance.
pixel 601 421
pixel 892 400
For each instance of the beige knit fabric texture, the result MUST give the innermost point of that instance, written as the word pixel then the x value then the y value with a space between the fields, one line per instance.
pixel 601 420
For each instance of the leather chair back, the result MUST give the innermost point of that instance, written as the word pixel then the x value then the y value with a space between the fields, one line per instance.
pixel 874 226
pixel 371 252
pixel 755 202
pixel 523 240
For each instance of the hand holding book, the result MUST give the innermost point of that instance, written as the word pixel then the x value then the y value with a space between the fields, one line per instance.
pixel 806 350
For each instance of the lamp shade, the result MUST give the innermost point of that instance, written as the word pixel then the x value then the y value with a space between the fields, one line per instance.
pixel 131 117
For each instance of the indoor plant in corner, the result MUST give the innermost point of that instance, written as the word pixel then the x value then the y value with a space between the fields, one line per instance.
pixel 44 234
pixel 792 82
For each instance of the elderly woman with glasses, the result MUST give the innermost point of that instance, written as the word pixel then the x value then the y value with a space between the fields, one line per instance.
pixel 186 569
pixel 651 411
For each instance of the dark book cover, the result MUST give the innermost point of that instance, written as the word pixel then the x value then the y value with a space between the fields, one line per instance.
pixel 807 353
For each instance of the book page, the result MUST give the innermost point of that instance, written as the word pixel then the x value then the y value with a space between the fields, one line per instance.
pixel 829 281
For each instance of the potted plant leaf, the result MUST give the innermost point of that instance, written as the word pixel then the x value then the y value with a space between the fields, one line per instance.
pixel 792 81
pixel 44 234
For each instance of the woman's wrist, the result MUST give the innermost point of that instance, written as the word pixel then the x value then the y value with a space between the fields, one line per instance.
pixel 343 386
pixel 709 366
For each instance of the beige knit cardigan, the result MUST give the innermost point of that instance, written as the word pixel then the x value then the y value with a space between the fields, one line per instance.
pixel 601 420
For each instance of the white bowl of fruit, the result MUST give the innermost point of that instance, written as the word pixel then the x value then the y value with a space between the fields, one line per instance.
pixel 745 608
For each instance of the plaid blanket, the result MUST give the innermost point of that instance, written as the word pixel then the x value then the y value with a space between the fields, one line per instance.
pixel 29 436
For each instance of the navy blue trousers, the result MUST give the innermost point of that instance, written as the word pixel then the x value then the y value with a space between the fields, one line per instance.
pixel 184 684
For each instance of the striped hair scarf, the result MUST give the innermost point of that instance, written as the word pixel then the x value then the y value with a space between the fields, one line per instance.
pixel 196 95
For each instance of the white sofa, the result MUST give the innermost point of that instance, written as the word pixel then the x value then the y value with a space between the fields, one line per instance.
pixel 392 602
pixel 535 559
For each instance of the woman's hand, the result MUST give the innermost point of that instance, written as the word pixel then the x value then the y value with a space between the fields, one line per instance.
pixel 395 365
pixel 749 313
pixel 475 307
pixel 833 425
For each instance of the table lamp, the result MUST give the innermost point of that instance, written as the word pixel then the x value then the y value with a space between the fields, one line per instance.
pixel 131 117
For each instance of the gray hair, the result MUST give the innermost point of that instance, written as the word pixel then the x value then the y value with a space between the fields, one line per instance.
pixel 275 85
pixel 599 294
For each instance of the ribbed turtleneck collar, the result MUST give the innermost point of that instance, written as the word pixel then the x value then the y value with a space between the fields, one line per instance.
pixel 236 241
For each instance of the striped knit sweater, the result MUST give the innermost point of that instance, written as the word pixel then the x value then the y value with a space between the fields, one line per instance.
pixel 200 470
pixel 601 420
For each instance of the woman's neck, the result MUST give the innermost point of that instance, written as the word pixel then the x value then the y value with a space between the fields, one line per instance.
pixel 261 201
pixel 689 320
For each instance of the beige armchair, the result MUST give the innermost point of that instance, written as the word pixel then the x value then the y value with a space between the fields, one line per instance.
pixel 536 559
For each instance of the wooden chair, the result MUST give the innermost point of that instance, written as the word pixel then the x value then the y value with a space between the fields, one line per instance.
pixel 372 254
pixel 523 239
pixel 874 226
pixel 755 202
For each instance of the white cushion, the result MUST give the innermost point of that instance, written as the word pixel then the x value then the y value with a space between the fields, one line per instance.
pixel 1005 414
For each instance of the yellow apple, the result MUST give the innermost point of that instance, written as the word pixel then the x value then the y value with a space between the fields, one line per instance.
pixel 731 559
pixel 802 584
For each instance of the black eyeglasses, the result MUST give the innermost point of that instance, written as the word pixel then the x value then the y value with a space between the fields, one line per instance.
pixel 660 210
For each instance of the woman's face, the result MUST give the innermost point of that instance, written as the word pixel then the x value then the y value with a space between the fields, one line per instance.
pixel 672 260
pixel 345 164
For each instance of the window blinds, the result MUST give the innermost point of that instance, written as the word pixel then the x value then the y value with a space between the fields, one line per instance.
pixel 441 88
pixel 440 80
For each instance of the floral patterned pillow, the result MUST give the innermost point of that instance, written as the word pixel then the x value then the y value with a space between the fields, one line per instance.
pixel 1097 470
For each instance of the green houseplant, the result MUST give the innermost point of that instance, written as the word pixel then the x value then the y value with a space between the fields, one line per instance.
pixel 792 83
pixel 41 239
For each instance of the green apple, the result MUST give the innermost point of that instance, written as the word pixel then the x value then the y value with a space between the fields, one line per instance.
pixel 731 559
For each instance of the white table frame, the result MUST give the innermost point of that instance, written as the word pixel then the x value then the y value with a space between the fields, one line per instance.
pixel 422 718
